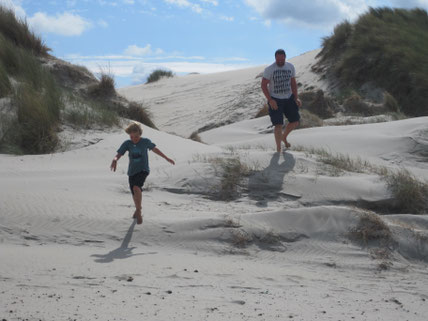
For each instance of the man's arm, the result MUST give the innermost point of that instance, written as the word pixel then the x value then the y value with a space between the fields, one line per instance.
pixel 265 90
pixel 294 91
pixel 158 152
pixel 114 162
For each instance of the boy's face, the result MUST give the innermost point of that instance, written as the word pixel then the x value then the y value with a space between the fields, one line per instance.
pixel 135 137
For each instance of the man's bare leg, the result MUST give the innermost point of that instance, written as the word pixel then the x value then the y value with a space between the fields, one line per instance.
pixel 137 201
pixel 288 129
pixel 278 135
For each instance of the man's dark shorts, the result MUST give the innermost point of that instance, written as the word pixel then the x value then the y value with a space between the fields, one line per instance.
pixel 137 180
pixel 287 107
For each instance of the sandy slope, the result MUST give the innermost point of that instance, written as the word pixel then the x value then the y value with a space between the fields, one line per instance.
pixel 185 104
pixel 69 249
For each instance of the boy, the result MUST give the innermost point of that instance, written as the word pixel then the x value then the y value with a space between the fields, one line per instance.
pixel 138 168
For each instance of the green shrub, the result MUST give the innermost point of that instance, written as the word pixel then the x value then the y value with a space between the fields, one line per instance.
pixel 18 32
pixel 137 112
pixel 105 87
pixel 158 74
pixel 386 46
pixel 37 118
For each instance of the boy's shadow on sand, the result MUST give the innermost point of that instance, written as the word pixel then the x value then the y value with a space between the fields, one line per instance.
pixel 122 252
pixel 266 185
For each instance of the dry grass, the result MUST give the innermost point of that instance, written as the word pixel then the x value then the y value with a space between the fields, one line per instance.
pixel 264 111
pixel 309 119
pixel 371 229
pixel 195 136
pixel 409 193
pixel 241 238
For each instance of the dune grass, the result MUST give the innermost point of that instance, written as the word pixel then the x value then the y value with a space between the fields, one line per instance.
pixel 18 32
pixel 104 88
pixel 5 86
pixel 408 193
pixel 38 118
pixel 195 136
pixel 386 46
pixel 158 74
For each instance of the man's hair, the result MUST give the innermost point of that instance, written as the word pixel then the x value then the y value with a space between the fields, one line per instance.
pixel 134 128
pixel 280 52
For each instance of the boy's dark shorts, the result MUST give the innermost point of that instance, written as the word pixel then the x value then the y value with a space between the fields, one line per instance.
pixel 287 107
pixel 137 180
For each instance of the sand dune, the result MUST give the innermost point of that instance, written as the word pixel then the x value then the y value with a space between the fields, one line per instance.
pixel 285 247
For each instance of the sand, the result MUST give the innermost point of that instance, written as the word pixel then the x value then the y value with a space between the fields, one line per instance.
pixel 281 249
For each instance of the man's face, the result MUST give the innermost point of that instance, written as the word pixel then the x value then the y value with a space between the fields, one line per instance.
pixel 135 137
pixel 280 60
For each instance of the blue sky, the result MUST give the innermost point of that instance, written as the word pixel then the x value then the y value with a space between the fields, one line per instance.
pixel 131 38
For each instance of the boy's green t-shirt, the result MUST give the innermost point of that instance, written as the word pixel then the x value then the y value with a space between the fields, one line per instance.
pixel 138 156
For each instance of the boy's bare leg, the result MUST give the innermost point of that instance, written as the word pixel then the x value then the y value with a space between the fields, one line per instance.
pixel 137 201
pixel 278 135
pixel 288 129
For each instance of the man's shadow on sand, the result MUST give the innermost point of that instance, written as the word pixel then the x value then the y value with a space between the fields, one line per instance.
pixel 267 184
pixel 122 252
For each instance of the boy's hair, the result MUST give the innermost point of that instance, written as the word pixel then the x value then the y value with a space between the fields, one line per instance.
pixel 134 128
pixel 280 52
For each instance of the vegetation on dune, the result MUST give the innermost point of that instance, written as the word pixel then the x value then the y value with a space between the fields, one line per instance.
pixel 388 47
pixel 42 99
pixel 17 32
pixel 158 74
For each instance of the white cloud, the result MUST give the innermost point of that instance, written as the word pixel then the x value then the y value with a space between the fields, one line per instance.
pixel 128 1
pixel 185 4
pixel 15 6
pixel 316 13
pixel 134 50
pixel 66 24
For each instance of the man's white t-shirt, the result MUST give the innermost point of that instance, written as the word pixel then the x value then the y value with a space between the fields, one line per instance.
pixel 280 80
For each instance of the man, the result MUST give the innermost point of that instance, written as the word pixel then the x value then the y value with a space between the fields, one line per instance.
pixel 280 88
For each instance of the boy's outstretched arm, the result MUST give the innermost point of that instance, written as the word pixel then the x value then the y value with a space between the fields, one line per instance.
pixel 114 162
pixel 157 151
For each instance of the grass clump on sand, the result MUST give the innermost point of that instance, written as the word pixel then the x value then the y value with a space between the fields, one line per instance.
pixel 195 136
pixel 158 74
pixel 17 31
pixel 372 230
pixel 410 194
pixel 388 47
pixel 37 99
pixel 38 118
pixel 86 114
pixel 105 87
pixel 136 111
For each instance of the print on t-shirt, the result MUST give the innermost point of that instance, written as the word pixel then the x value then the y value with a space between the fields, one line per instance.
pixel 281 80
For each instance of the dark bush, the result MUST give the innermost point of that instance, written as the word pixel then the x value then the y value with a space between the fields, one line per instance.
pixel 386 46
pixel 158 74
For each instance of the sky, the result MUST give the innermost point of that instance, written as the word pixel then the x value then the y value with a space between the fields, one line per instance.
pixel 131 38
